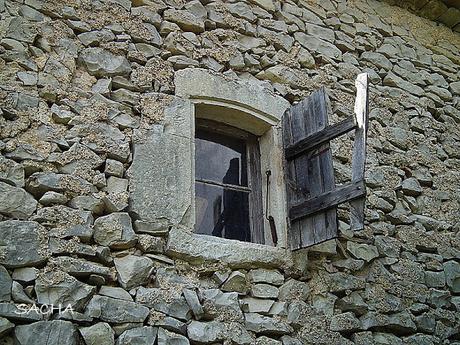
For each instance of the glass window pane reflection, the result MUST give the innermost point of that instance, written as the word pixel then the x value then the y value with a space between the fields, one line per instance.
pixel 220 158
pixel 222 212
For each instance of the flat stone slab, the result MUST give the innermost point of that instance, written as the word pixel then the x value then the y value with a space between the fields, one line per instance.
pixel 133 270
pixel 138 336
pixel 80 267
pixel 116 310
pixel 57 287
pixel 165 301
pixel 101 62
pixel 5 285
pixel 22 243
pixel 115 231
pixel 14 313
pixel 46 333
pixel 202 248
pixel 266 325
pixel 98 334
pixel 16 202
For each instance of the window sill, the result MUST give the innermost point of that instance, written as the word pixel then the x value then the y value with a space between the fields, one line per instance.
pixel 197 248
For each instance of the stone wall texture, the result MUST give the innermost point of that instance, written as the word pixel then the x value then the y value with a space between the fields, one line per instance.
pixel 78 80
pixel 443 11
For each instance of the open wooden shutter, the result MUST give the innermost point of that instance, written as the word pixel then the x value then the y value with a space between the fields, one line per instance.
pixel 311 191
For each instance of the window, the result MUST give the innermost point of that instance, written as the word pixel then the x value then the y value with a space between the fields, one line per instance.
pixel 228 197
pixel 218 137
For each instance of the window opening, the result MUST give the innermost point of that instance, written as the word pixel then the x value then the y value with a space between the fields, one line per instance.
pixel 225 186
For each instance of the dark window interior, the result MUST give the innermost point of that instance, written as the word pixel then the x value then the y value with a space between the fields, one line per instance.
pixel 220 158
pixel 228 194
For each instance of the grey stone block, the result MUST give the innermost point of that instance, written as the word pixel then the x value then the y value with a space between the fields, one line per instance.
pixel 346 322
pixel 16 202
pixel 261 275
pixel 165 338
pixel 256 305
pixel 102 63
pixel 452 273
pixel 216 302
pixel 138 336
pixel 236 282
pixel 294 290
pixel 5 285
pixel 59 288
pixel 265 325
pixel 115 310
pixel 39 333
pixel 98 334
pixel 22 243
pixel 264 291
pixel 194 303
pixel 133 270
pixel 115 292
pixel 80 267
pixel 362 251
pixel 169 302
pixel 115 231
pixel 5 326
pixel 318 46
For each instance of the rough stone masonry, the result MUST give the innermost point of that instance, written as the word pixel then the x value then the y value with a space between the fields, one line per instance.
pixel 79 78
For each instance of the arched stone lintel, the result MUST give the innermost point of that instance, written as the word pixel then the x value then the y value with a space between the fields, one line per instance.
pixel 244 98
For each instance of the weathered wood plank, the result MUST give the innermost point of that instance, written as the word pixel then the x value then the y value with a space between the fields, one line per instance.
pixel 321 174
pixel 328 184
pixel 289 168
pixel 359 148
pixel 255 197
pixel 314 117
pixel 318 138
pixel 299 129
pixel 328 200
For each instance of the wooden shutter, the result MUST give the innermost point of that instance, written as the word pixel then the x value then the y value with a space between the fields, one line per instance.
pixel 311 191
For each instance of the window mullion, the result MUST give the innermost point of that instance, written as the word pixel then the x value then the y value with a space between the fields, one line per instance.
pixel 225 185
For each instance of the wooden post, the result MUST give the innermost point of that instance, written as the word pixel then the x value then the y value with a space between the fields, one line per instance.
pixel 359 148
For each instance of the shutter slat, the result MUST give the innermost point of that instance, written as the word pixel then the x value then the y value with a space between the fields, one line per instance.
pixel 321 178
pixel 328 200
pixel 328 184
pixel 289 168
pixel 359 148
pixel 317 222
pixel 318 138
pixel 302 230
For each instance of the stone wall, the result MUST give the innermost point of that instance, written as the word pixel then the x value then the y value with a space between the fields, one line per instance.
pixel 443 11
pixel 79 77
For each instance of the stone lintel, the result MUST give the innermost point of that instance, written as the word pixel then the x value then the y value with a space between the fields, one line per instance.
pixel 213 88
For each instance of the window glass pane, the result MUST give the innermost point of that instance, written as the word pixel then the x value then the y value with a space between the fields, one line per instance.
pixel 222 212
pixel 220 158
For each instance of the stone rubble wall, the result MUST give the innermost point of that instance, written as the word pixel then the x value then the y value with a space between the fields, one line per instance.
pixel 443 11
pixel 78 77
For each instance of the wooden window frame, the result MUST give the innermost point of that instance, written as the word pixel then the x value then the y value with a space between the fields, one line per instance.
pixel 256 214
